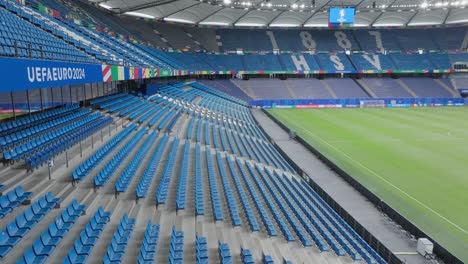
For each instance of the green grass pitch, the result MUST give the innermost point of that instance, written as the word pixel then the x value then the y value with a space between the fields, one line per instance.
pixel 415 159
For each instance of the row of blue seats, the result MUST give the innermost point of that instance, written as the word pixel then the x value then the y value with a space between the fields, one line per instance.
pixel 163 189
pixel 339 221
pixel 254 226
pixel 328 232
pixel 235 217
pixel 24 222
pixel 207 133
pixel 83 170
pixel 26 149
pixel 174 121
pixel 131 108
pixel 190 128
pixel 127 175
pixel 154 120
pixel 201 249
pixel 288 205
pixel 12 199
pixel 199 203
pixel 242 150
pixel 258 203
pixel 106 98
pixel 139 112
pixel 276 213
pixel 204 88
pixel 280 161
pixel 212 182
pixel 224 253
pixel 45 245
pixel 246 256
pixel 331 235
pixel 199 131
pixel 335 235
pixel 26 134
pixel 181 198
pixel 150 171
pixel 30 120
pixel 123 105
pixel 215 137
pixel 267 259
pixel 150 244
pixel 149 114
pixel 89 236
pixel 167 118
pixel 176 248
pixel 112 165
pixel 48 153
pixel 223 139
pixel 232 143
pixel 115 102
pixel 116 250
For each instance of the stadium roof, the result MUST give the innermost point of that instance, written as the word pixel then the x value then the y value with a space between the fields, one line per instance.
pixel 293 13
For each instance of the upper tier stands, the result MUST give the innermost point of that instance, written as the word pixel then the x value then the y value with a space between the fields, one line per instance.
pixel 29 33
pixel 19 38
pixel 338 62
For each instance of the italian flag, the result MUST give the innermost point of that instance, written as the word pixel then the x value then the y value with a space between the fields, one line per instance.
pixel 117 73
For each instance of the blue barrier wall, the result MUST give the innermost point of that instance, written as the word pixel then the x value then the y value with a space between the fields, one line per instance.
pixel 354 103
pixel 24 74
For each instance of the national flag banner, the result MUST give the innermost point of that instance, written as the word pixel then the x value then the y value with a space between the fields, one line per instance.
pixel 22 2
pixel 118 73
pixel 106 73
pixel 55 13
pixel 136 73
pixel 164 72
pixel 132 73
pixel 42 8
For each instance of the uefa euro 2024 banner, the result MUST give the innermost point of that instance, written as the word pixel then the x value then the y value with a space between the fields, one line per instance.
pixel 27 74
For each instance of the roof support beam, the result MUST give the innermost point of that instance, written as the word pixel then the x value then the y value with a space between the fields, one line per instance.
pixel 147 5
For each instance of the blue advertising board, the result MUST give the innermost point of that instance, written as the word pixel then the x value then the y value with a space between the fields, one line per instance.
pixel 24 74
pixel 355 103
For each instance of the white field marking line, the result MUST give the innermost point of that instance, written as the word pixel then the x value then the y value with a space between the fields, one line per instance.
pixel 386 181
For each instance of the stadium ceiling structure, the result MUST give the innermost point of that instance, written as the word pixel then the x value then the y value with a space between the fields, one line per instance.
pixel 293 13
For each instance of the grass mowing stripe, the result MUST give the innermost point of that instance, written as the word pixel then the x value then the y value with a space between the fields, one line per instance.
pixel 413 149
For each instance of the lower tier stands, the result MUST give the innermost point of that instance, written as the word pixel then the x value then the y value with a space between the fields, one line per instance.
pixel 174 196
pixel 338 88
